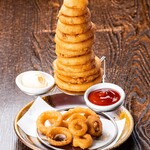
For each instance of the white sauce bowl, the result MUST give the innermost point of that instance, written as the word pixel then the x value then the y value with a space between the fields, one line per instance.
pixel 35 91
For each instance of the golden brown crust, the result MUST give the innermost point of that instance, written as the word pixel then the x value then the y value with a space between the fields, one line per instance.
pixel 76 37
pixel 81 4
pixel 83 142
pixel 75 87
pixel 72 12
pixel 78 74
pixel 73 29
pixel 76 19
pixel 45 116
pixel 94 125
pixel 77 68
pixel 78 80
pixel 54 131
pixel 70 53
pixel 72 126
pixel 85 45
pixel 76 60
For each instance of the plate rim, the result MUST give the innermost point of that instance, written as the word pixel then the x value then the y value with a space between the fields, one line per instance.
pixel 119 142
pixel 28 105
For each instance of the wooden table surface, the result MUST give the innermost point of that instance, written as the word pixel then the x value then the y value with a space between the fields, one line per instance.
pixel 27 29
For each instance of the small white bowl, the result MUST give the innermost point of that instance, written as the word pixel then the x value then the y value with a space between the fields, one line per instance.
pixel 98 108
pixel 35 91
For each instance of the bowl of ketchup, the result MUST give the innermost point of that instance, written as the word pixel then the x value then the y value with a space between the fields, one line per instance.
pixel 104 97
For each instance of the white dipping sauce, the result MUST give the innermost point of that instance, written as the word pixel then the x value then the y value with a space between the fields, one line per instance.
pixel 34 80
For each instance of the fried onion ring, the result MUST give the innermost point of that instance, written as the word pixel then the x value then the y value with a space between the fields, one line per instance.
pixel 48 115
pixel 83 142
pixel 84 45
pixel 83 111
pixel 81 75
pixel 78 80
pixel 80 110
pixel 75 87
pixel 70 53
pixel 76 4
pixel 80 60
pixel 75 38
pixel 74 29
pixel 75 20
pixel 77 68
pixel 78 127
pixel 76 116
pixel 72 12
pixel 71 118
pixel 94 125
pixel 78 74
pixel 53 134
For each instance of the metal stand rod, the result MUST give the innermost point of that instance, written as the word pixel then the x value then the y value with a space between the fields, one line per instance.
pixel 103 59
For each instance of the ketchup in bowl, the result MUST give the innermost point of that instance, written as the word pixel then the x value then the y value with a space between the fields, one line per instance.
pixel 104 97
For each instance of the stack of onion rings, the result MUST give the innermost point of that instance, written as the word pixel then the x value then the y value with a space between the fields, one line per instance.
pixel 75 68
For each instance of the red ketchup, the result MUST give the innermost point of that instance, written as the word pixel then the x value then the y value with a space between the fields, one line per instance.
pixel 104 97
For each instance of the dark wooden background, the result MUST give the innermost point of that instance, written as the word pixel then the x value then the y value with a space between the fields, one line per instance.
pixel 27 29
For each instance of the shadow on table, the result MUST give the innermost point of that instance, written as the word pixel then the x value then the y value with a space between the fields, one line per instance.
pixel 128 145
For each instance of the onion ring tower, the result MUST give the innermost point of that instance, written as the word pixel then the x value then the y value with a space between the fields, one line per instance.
pixel 74 40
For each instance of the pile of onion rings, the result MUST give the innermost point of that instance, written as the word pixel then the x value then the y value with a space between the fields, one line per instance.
pixel 75 68
pixel 77 126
